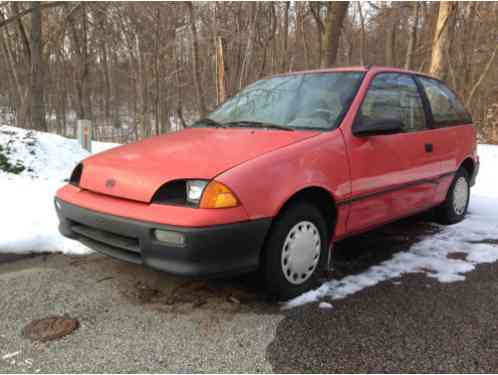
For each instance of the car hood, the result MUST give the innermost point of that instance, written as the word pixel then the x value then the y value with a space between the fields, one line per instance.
pixel 137 170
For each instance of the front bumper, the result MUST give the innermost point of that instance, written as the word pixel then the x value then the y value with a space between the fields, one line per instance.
pixel 207 251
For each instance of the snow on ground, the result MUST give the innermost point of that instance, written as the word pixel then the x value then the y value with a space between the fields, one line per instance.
pixel 41 162
pixel 475 239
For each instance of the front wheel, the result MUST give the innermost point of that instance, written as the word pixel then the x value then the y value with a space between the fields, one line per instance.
pixel 454 208
pixel 294 250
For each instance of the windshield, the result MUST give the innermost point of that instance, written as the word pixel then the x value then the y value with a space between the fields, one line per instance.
pixel 301 101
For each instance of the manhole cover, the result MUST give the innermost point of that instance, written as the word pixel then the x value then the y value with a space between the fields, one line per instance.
pixel 50 328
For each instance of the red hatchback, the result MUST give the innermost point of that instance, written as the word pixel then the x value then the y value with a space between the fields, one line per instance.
pixel 276 174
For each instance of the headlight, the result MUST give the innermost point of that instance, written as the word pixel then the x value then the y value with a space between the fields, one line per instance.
pixel 197 193
pixel 194 190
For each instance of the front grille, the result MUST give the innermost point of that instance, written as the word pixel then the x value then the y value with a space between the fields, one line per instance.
pixel 118 246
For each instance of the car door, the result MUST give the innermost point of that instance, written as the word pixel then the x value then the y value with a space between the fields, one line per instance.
pixel 451 124
pixel 392 175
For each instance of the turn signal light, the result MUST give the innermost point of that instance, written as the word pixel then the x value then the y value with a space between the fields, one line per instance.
pixel 217 195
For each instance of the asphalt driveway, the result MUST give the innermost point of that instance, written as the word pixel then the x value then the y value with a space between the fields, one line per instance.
pixel 134 319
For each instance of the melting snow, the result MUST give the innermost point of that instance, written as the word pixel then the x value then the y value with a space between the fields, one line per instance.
pixel 476 238
pixel 10 355
pixel 28 221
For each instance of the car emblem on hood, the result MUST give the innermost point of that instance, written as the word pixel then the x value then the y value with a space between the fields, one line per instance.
pixel 110 183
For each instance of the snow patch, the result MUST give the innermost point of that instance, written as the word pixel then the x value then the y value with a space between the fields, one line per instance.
pixel 476 238
pixel 325 305
pixel 10 355
pixel 29 222
pixel 483 253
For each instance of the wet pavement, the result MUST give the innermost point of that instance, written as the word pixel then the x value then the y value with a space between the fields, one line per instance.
pixel 410 324
pixel 4 258
pixel 136 319
pixel 418 325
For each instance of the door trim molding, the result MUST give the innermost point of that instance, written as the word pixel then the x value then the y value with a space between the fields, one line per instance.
pixel 435 181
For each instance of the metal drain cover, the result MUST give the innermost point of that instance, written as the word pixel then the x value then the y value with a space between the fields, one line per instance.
pixel 51 328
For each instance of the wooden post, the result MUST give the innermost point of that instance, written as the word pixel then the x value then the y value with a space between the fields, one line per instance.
pixel 85 134
pixel 220 72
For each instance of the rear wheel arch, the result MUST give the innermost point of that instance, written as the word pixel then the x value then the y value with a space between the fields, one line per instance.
pixel 469 165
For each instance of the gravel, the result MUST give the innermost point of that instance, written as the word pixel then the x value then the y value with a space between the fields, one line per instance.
pixel 131 319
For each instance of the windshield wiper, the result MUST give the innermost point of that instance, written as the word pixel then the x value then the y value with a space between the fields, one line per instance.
pixel 208 122
pixel 259 124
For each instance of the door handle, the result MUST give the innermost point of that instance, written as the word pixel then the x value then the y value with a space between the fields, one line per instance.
pixel 429 147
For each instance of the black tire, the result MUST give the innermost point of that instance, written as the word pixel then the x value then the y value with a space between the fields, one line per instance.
pixel 272 266
pixel 447 213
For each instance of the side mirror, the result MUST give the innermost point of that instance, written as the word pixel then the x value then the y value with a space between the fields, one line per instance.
pixel 384 126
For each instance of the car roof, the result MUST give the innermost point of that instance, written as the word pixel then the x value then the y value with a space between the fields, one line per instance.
pixel 369 68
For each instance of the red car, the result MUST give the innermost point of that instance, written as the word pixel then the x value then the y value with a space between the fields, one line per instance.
pixel 276 174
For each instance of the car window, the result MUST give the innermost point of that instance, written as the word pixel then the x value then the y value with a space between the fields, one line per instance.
pixel 394 96
pixel 316 100
pixel 445 106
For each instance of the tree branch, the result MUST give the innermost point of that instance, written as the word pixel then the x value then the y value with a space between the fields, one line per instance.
pixel 27 11
pixel 481 78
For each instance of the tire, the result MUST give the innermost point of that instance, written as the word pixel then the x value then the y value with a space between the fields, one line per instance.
pixel 288 270
pixel 454 208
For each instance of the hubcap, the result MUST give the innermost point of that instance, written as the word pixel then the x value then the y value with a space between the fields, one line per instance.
pixel 460 195
pixel 301 252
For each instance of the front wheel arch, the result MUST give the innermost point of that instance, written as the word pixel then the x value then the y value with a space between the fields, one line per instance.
pixel 318 197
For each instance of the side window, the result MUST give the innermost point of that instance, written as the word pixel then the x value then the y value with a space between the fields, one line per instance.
pixel 394 96
pixel 445 106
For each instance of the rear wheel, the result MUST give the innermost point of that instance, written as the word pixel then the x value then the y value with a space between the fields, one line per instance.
pixel 454 208
pixel 294 250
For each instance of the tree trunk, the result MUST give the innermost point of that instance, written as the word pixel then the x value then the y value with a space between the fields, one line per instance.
pixel 196 63
pixel 468 46
pixel 157 79
pixel 412 42
pixel 37 103
pixel 142 88
pixel 179 89
pixel 390 46
pixel 440 44
pixel 304 40
pixel 22 32
pixel 114 85
pixel 362 35
pixel 20 96
pixel 220 71
pixel 333 25
pixel 80 47
pixel 247 59
pixel 107 81
pixel 285 54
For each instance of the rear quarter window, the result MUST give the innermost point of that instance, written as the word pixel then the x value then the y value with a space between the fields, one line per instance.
pixel 446 109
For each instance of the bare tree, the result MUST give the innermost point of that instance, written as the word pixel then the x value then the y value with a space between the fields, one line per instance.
pixel 336 12
pixel 142 70
pixel 412 41
pixel 37 103
pixel 362 39
pixel 441 40
pixel 196 61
